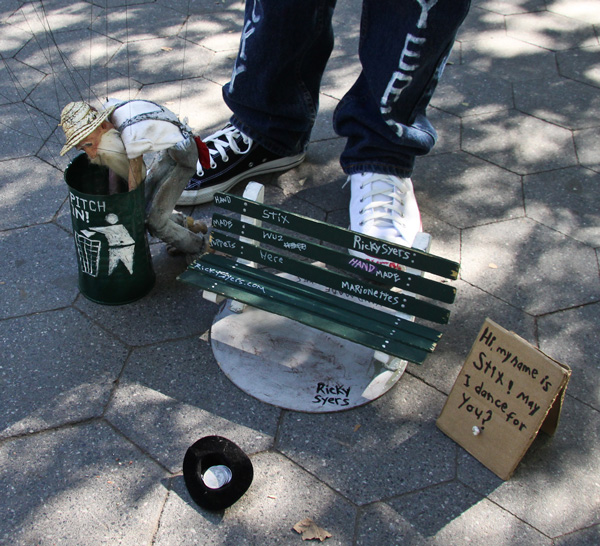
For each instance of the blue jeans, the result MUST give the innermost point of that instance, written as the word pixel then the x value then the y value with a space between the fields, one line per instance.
pixel 285 45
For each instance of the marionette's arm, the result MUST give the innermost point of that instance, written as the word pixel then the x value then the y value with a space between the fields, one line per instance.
pixel 136 172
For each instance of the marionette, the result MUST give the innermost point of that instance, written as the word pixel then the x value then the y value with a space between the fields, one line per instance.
pixel 118 136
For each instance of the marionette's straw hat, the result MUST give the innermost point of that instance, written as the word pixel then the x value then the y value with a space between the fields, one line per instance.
pixel 78 120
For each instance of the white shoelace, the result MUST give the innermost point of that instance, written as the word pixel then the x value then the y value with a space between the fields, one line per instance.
pixel 386 207
pixel 222 141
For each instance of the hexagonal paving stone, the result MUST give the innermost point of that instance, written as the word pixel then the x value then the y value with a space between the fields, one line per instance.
pixel 117 3
pixel 174 393
pixel 566 200
pixel 50 154
pixel 555 488
pixel 208 8
pixel 7 9
pixel 465 191
pixel 222 34
pixel 518 142
pixel 465 91
pixel 530 266
pixel 82 485
pixel 24 130
pixel 572 337
pixel 171 310
pixel 316 186
pixel 587 143
pixel 39 270
pixel 91 86
pixel 31 192
pixel 509 7
pixel 585 537
pixel 447 127
pixel 581 64
pixel 551 31
pixel 567 103
pixel 478 22
pixel 340 75
pixel 440 514
pixel 140 22
pixel 54 16
pixel 62 53
pixel 505 57
pixel 583 10
pixel 161 60
pixel 57 368
pixel 281 495
pixel 352 453
pixel 197 99
pixel 471 308
pixel 17 80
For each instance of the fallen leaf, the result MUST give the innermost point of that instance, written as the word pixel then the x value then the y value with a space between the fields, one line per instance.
pixel 165 48
pixel 492 266
pixel 311 531
pixel 357 427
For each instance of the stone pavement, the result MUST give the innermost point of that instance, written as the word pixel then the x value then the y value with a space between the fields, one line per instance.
pixel 98 404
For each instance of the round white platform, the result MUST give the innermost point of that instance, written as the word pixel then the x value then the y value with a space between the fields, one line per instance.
pixel 287 364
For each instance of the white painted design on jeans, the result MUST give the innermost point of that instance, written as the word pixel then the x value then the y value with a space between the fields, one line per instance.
pixel 408 63
pixel 425 7
pixel 401 78
pixel 249 30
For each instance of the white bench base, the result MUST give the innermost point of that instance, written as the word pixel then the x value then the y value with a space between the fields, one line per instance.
pixel 293 366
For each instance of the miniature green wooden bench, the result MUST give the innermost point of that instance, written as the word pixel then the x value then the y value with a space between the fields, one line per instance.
pixel 321 284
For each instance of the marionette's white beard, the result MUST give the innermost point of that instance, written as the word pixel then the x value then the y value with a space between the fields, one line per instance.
pixel 111 153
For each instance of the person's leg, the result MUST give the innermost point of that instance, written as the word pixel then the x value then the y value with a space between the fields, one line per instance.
pixel 274 89
pixel 403 49
pixel 273 94
pixel 162 222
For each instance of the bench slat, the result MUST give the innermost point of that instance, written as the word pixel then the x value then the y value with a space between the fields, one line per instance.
pixel 394 300
pixel 386 276
pixel 372 246
pixel 424 336
pixel 240 289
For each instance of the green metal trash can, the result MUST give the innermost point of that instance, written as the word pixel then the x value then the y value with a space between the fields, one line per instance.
pixel 113 255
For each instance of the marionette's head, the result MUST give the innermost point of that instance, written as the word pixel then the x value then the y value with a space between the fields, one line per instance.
pixel 84 126
pixel 91 131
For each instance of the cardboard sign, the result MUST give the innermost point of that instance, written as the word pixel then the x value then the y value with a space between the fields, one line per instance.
pixel 506 392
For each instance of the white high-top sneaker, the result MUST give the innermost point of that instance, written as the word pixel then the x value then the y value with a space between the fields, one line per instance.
pixel 384 206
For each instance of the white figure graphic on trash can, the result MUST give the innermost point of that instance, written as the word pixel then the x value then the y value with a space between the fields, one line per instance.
pixel 121 245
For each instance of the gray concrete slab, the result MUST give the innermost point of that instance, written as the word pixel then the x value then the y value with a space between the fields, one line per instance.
pixel 566 200
pixel 440 513
pixel 106 491
pixel 70 363
pixel 465 191
pixel 39 272
pixel 571 336
pixel 171 394
pixel 99 404
pixel 21 187
pixel 537 262
pixel 550 490
pixel 356 461
pixel 518 143
pixel 265 515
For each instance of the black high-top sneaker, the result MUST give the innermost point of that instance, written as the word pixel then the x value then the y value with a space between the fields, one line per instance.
pixel 234 157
